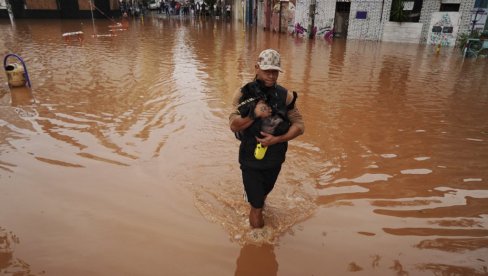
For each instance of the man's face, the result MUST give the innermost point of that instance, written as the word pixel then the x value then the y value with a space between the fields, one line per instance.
pixel 269 77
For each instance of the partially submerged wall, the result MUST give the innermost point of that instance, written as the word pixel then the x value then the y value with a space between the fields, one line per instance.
pixel 406 32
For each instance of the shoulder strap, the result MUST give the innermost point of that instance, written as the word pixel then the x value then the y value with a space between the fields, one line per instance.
pixel 292 104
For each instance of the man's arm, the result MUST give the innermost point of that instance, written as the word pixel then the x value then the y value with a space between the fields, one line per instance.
pixel 297 127
pixel 237 123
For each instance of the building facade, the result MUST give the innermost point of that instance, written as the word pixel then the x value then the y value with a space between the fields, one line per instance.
pixel 438 22
pixel 424 21
pixel 59 8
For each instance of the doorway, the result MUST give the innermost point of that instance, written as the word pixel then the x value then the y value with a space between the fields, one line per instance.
pixel 103 8
pixel 17 8
pixel 69 8
pixel 341 20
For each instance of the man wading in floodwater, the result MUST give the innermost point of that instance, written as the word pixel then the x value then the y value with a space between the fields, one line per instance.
pixel 265 119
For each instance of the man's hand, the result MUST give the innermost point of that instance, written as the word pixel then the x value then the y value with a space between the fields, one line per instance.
pixel 262 110
pixel 268 139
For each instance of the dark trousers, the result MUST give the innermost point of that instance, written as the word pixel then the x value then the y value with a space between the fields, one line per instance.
pixel 258 184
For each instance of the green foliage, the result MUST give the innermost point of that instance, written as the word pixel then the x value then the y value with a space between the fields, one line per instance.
pixel 397 12
pixel 462 39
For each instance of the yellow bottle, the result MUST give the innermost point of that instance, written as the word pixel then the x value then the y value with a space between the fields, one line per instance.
pixel 260 151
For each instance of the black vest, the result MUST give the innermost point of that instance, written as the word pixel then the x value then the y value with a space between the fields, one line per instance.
pixel 275 97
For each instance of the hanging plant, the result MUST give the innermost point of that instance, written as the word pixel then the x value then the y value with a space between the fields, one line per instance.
pixel 398 14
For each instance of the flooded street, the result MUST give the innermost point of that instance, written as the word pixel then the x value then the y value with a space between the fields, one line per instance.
pixel 120 160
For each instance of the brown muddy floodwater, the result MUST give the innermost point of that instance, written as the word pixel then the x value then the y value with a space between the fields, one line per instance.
pixel 119 161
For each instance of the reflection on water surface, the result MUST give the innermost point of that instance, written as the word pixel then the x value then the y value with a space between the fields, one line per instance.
pixel 122 147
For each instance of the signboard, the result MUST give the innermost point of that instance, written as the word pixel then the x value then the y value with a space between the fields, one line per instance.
pixel 361 14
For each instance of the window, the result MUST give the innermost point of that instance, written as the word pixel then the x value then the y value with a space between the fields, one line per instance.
pixel 436 29
pixel 449 8
pixel 405 10
pixel 481 4
pixel 447 30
